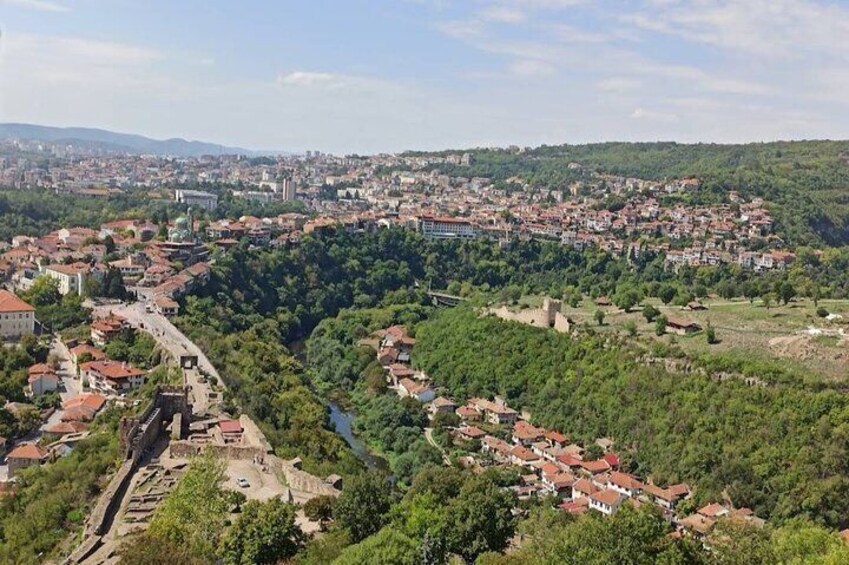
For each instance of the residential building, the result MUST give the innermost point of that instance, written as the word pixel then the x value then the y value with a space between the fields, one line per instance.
pixel 607 501
pixel 443 227
pixel 113 377
pixel 23 456
pixel 16 316
pixel 196 199
pixel 71 278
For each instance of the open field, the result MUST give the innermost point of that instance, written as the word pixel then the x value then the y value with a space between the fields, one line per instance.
pixel 792 333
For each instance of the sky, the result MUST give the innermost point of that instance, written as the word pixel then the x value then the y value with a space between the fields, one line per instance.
pixel 370 76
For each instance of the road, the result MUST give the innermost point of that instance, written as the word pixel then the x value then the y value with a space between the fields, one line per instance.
pixel 67 371
pixel 172 340
pixel 428 432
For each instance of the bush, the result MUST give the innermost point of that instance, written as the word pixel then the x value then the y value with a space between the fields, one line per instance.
pixel 660 325
pixel 710 334
pixel 822 312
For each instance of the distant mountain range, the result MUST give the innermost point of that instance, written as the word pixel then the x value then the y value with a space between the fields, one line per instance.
pixel 110 141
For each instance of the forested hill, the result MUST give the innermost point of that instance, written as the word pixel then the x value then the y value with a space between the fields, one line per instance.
pixel 780 451
pixel 805 182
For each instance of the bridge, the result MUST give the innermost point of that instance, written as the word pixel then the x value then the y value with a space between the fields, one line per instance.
pixel 443 299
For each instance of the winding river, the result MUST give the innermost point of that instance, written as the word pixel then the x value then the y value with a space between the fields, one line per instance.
pixel 342 423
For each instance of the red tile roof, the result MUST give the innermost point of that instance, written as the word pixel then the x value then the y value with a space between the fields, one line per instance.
pixel 609 497
pixel 11 303
pixel 27 451
pixel 230 426
pixel 112 370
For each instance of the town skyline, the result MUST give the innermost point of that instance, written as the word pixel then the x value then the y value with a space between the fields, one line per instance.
pixel 424 75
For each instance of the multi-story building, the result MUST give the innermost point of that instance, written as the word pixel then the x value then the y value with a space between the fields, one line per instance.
pixel 16 316
pixel 112 376
pixel 196 198
pixel 71 278
pixel 440 227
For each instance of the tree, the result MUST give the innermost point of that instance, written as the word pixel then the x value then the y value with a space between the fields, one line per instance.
pixel 43 292
pixel 593 452
pixel 627 298
pixel 767 300
pixel 599 317
pixel 480 518
pixel 631 328
pixel 666 293
pixel 660 325
pixel 387 546
pixel 113 284
pixel 734 542
pixel 710 334
pixel 264 533
pixel 786 292
pixel 362 507
pixel 800 541
pixel 320 509
pixel 650 313
pixel 109 243
pixel 194 513
pixel 144 549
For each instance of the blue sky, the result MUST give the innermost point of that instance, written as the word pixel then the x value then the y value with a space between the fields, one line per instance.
pixel 379 75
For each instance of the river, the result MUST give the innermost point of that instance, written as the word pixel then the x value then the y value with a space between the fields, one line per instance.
pixel 342 423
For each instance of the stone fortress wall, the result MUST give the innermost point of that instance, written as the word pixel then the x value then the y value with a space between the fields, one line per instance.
pixel 549 316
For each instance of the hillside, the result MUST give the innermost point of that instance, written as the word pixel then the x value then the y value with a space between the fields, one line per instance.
pixel 805 183
pixel 104 140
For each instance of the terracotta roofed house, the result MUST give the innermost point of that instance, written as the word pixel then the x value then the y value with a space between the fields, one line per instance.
pixel 112 376
pixel 25 455
pixel 606 501
pixel 16 316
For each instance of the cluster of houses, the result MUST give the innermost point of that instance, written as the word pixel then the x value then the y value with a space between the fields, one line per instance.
pixel 100 379
pixel 393 353
pixel 550 464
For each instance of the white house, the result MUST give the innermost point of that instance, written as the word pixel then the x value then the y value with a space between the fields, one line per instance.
pixel 71 278
pixel 607 501
pixel 16 316
pixel 112 376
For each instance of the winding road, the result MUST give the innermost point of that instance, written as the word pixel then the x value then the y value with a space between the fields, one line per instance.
pixel 174 342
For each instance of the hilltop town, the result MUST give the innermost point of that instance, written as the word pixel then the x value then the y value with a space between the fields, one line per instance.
pixel 622 215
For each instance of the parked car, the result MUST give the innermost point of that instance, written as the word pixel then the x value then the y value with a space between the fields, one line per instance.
pixel 243 482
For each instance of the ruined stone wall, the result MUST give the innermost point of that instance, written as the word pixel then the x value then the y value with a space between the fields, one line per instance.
pixel 549 316
pixel 300 480
pixel 562 323
pixel 135 437
pixel 252 435
pixel 110 500
pixel 187 450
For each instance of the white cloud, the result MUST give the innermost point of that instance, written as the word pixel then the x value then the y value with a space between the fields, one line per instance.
pixel 306 78
pixel 643 114
pixel 618 84
pixel 503 14
pixel 40 5
pixel 461 29
pixel 530 68
pixel 787 29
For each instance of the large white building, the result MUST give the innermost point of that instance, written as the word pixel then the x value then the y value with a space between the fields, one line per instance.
pixel 196 198
pixel 288 189
pixel 16 316
pixel 431 226
pixel 71 278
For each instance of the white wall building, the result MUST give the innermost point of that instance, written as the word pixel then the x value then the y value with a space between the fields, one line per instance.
pixel 16 316
pixel 196 199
